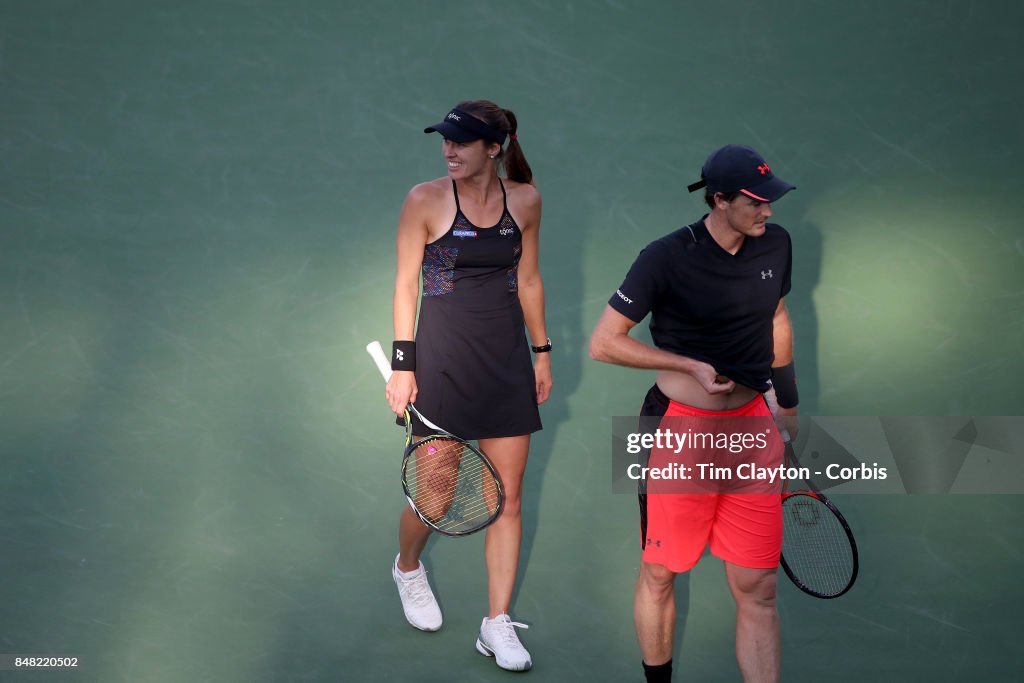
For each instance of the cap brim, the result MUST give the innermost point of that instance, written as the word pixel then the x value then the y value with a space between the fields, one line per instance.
pixel 769 191
pixel 452 132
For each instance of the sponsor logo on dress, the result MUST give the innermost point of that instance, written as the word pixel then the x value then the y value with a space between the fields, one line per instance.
pixel 464 233
pixel 766 274
pixel 506 231
pixel 623 296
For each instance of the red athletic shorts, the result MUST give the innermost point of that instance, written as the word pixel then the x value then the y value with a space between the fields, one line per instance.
pixel 741 519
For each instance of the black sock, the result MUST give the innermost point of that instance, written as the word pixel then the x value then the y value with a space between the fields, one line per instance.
pixel 661 673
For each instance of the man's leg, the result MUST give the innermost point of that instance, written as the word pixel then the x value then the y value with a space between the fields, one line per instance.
pixel 654 610
pixel 757 622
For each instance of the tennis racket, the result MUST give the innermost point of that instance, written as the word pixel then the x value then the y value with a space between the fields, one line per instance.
pixel 819 553
pixel 450 485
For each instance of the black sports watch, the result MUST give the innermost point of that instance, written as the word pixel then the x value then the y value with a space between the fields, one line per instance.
pixel 542 349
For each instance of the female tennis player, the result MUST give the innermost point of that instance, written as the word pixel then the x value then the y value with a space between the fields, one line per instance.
pixel 473 237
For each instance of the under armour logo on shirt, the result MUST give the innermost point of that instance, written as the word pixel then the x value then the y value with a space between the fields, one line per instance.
pixel 765 274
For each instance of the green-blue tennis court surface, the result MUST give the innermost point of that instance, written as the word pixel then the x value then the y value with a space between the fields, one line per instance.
pixel 198 201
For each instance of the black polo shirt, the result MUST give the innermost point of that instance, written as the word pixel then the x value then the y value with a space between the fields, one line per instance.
pixel 708 304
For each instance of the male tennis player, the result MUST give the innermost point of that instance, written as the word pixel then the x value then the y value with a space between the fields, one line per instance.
pixel 722 337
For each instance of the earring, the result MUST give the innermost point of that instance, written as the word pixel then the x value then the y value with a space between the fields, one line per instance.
pixel 490 156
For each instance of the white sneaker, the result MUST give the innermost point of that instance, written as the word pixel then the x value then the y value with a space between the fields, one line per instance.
pixel 498 639
pixel 421 609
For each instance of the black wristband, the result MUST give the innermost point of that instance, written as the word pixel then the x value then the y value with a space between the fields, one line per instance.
pixel 784 381
pixel 403 355
pixel 546 348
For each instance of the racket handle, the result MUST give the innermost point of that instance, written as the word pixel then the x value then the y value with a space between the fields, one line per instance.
pixel 377 354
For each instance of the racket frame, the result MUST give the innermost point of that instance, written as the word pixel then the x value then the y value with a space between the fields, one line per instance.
pixel 376 352
pixel 812 492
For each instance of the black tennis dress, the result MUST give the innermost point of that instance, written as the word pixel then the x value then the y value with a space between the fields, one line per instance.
pixel 474 371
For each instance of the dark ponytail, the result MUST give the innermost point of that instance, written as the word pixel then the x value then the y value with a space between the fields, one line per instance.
pixel 515 161
pixel 512 157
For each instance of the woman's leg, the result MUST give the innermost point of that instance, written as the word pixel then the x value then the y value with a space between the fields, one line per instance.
pixel 501 548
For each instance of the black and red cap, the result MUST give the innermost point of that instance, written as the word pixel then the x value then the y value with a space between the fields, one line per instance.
pixel 462 127
pixel 737 168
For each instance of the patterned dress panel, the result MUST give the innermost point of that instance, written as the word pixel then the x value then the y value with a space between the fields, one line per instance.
pixel 513 272
pixel 439 269
pixel 462 224
pixel 507 227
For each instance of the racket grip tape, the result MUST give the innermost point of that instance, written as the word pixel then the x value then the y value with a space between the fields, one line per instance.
pixel 376 352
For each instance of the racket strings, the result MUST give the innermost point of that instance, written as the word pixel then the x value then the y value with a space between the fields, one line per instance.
pixel 450 485
pixel 816 546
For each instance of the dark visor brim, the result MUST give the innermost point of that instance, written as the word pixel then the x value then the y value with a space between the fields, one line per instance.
pixel 461 126
pixel 452 132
